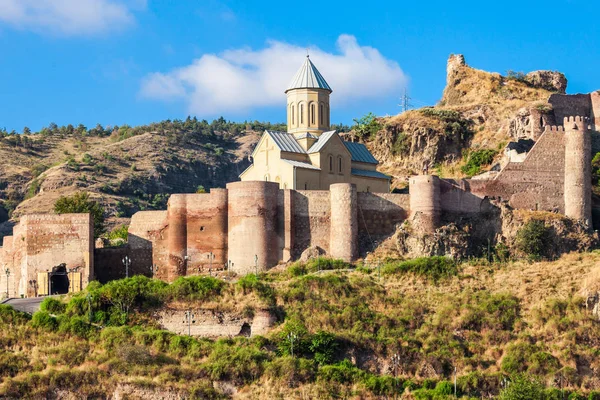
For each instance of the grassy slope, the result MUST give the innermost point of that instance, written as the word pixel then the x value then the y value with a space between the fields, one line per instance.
pixel 488 321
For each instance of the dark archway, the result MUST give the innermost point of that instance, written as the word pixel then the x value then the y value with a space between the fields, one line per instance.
pixel 59 280
pixel 246 330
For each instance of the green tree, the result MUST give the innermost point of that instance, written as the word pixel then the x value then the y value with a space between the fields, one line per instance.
pixel 522 388
pixel 80 202
pixel 533 238
pixel 367 126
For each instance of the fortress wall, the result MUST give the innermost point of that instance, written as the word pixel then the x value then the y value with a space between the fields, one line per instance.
pixel 109 262
pixel 252 224
pixel 50 240
pixel 311 220
pixel 457 199
pixel 206 220
pixel 565 105
pixel 425 207
pixel 7 260
pixel 177 236
pixel 378 215
pixel 536 183
pixel 147 245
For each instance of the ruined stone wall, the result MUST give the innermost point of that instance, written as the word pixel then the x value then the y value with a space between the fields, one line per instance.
pixel 147 246
pixel 43 241
pixel 566 105
pixel 536 183
pixel 109 262
pixel 378 215
pixel 311 216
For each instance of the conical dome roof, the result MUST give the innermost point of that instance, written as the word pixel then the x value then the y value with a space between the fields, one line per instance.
pixel 308 77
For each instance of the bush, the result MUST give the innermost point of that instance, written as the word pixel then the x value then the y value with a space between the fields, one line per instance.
pixel 434 268
pixel 291 370
pixel 10 316
pixel 251 283
pixel 43 320
pixel 522 388
pixel 367 126
pixel 324 346
pixel 239 361
pixel 344 372
pixel 533 239
pixel 476 160
pixel 52 305
pixel 194 288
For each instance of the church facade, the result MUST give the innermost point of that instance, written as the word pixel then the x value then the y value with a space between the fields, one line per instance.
pixel 309 156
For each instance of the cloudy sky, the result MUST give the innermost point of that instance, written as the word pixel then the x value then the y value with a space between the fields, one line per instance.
pixel 138 61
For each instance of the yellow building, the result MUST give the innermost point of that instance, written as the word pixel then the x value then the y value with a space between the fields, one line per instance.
pixel 309 156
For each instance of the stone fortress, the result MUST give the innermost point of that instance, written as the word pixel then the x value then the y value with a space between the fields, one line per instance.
pixel 261 221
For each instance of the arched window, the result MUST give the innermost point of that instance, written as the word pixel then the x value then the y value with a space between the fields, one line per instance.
pixel 293 116
pixel 321 113
pixel 330 163
pixel 301 111
pixel 305 185
pixel 340 165
pixel 312 113
pixel 285 185
pixel 267 178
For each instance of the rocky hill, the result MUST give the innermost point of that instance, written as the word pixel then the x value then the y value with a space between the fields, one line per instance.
pixel 478 111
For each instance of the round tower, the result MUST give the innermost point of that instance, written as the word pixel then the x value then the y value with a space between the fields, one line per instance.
pixel 252 225
pixel 220 201
pixel 343 239
pixel 308 101
pixel 177 239
pixel 578 170
pixel 425 208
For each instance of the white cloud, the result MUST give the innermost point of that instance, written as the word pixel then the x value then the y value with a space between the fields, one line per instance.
pixel 69 17
pixel 236 81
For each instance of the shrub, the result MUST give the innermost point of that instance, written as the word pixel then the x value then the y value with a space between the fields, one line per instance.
pixel 522 388
pixel 43 320
pixel 367 126
pixel 434 268
pixel 324 346
pixel 52 305
pixel 239 361
pixel 293 339
pixel 10 316
pixel 251 283
pixel 343 372
pixel 477 159
pixel 291 370
pixel 194 288
pixel 533 239
pixel 121 232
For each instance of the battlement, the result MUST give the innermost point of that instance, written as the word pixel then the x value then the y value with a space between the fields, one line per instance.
pixel 554 128
pixel 576 123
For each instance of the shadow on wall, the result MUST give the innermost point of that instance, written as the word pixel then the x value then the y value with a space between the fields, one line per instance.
pixel 109 260
pixel 378 218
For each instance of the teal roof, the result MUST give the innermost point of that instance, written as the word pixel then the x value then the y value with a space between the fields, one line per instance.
pixel 286 142
pixel 308 77
pixel 360 153
pixel 369 174
pixel 323 139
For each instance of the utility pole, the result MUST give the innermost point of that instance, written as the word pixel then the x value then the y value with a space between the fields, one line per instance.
pixel 405 104
pixel 127 263
pixel 189 316
pixel 256 265
pixel 292 338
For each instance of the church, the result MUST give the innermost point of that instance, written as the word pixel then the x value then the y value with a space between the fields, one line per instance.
pixel 309 156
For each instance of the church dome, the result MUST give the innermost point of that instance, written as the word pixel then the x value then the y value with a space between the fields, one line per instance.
pixel 308 77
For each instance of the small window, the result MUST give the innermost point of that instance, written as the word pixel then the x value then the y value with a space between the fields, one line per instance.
pixel 312 114
pixel 340 165
pixel 201 229
pixel 293 116
pixel 301 113
pixel 321 113
pixel 305 186
pixel 330 163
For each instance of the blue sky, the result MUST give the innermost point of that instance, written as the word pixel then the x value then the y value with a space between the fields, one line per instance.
pixel 139 61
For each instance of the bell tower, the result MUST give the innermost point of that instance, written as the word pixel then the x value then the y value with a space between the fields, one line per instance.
pixel 308 101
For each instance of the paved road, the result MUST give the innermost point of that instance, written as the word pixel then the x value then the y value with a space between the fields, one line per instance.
pixel 30 305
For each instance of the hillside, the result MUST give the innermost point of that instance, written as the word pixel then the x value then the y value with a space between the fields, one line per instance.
pixel 126 169
pixel 491 322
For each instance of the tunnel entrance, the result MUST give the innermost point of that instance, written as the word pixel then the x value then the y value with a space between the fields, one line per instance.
pixel 59 280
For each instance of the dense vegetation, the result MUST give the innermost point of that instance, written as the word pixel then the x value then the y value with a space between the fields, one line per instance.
pixel 340 334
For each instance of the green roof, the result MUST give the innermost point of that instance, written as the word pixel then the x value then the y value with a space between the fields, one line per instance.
pixel 360 153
